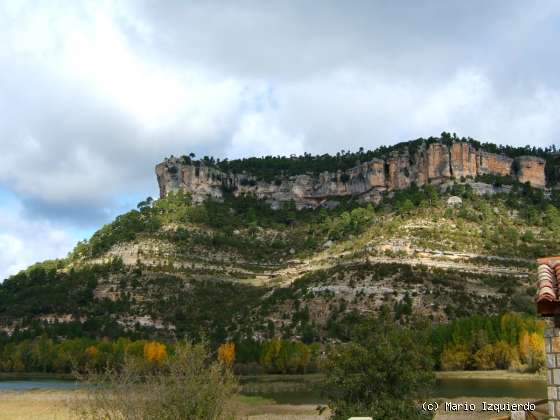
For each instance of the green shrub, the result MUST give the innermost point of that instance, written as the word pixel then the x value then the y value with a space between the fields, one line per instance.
pixel 185 385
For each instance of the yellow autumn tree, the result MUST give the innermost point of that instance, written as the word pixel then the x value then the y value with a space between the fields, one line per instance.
pixel 154 352
pixel 226 353
pixel 531 350
pixel 505 355
pixel 455 357
pixel 92 352
pixel 524 346
pixel 535 357
pixel 485 358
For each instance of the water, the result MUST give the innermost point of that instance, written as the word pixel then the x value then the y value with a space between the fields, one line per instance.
pixel 299 392
pixel 496 388
pixel 28 384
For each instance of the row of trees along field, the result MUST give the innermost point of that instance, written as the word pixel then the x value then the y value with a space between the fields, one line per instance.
pixel 191 382
pixel 44 354
pixel 509 341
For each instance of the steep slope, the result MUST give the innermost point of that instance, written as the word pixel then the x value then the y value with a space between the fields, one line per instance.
pixel 240 269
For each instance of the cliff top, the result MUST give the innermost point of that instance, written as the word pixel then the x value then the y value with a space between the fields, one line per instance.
pixel 267 168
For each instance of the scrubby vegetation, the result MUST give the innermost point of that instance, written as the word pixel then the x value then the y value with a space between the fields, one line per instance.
pixel 521 223
pixel 199 257
pixel 380 373
pixel 284 284
pixel 185 384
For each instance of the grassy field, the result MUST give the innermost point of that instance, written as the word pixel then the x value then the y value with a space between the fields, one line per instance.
pixel 36 404
pixel 55 405
pixel 491 374
pixel 50 405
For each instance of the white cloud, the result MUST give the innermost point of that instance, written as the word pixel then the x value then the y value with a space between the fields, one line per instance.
pixel 258 135
pixel 94 94
pixel 24 242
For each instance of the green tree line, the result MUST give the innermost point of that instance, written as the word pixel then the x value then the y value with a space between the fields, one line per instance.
pixel 271 168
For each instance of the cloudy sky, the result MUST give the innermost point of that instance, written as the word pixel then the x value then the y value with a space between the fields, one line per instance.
pixel 94 94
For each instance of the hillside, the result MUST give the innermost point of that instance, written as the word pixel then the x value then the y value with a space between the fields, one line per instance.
pixel 237 268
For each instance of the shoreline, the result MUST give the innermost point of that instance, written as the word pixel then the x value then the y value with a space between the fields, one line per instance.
pixel 491 375
pixel 308 377
pixel 36 376
pixel 56 404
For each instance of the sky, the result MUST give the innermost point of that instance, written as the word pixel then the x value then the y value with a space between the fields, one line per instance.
pixel 93 94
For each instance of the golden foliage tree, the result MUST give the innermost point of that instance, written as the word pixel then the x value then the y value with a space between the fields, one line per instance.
pixel 499 355
pixel 226 353
pixel 531 350
pixel 154 352
pixel 484 358
pixel 455 357
pixel 92 352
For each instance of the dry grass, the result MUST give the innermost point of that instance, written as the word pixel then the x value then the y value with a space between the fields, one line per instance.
pixel 266 410
pixel 491 374
pixel 478 414
pixel 35 404
pixel 54 405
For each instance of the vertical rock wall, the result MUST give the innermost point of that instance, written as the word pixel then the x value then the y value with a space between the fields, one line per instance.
pixel 433 163
pixel 463 160
pixel 438 162
pixel 530 169
pixel 398 173
pixel 491 163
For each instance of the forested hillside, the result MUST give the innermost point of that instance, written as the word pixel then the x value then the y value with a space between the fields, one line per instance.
pixel 238 271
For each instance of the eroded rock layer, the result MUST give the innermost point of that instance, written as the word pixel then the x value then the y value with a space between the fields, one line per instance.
pixel 435 163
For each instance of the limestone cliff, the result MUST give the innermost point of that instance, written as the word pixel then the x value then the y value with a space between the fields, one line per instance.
pixel 463 160
pixel 435 163
pixel 531 169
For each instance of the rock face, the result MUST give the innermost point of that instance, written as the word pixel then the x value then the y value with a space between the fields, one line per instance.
pixel 398 173
pixel 530 169
pixel 463 160
pixel 438 167
pixel 490 163
pixel 435 163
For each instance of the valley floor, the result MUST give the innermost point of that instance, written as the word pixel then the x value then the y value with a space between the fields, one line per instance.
pixel 53 405
pixel 37 404
pixel 490 374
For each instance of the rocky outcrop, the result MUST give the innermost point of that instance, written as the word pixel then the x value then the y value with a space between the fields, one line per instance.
pixel 438 166
pixel 463 160
pixel 530 169
pixel 398 172
pixel 435 163
pixel 491 163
